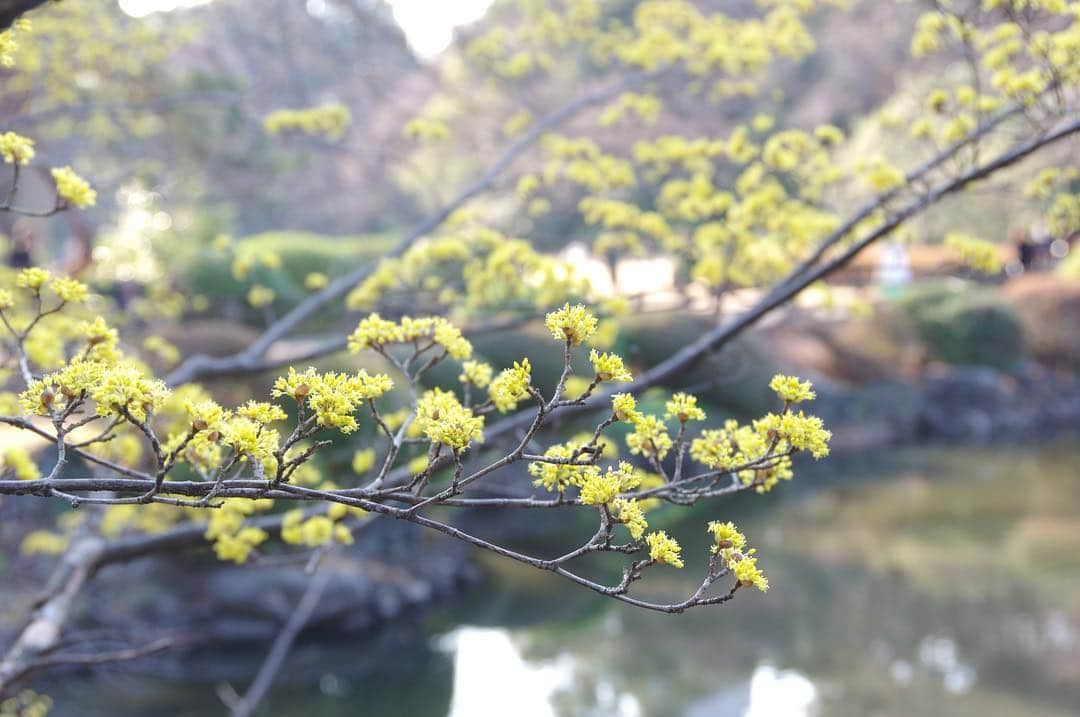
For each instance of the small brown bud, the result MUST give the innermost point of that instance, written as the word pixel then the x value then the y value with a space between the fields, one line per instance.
pixel 301 391
pixel 95 340
pixel 725 544
pixel 213 436
pixel 199 425
pixel 47 397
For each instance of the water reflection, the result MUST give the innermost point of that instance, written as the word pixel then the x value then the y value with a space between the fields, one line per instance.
pixel 936 582
pixel 490 673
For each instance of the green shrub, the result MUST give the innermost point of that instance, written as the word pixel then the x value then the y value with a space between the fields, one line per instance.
pixel 736 377
pixel 966 325
pixel 209 272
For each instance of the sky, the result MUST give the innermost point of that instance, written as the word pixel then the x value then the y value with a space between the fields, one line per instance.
pixel 428 24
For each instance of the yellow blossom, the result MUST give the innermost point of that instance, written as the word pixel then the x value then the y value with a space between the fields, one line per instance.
pixel 19 462
pixel 260 296
pixel 630 514
pixel 609 367
pixel 624 407
pixel 725 536
pixel 363 460
pixel 684 407
pixel 749 575
pixel 477 373
pixel 315 280
pixel 511 385
pixel 444 420
pixel 72 188
pixel 649 438
pixel 33 278
pixel 791 389
pixel 70 290
pixel 663 549
pixel 573 324
pixel 15 148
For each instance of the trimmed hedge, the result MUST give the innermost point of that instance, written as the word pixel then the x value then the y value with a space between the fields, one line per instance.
pixel 966 325
pixel 209 272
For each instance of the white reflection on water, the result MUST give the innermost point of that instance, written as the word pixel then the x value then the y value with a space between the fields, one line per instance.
pixel 491 677
pixel 940 654
pixel 780 693
pixel 769 693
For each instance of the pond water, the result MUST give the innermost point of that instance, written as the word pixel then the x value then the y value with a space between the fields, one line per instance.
pixel 921 582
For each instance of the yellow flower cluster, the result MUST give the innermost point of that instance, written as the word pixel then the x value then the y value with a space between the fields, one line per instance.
pixel 572 324
pixel 476 267
pixel 791 389
pixel 726 536
pixel 33 278
pixel 664 549
pixel 70 291
pixel 19 462
pixel 759 450
pixel 511 386
pixel 118 389
pixel 9 42
pixel 363 460
pixel 630 513
pixel 602 487
pixel 15 148
pixel 624 407
pixel 260 296
pixel 649 438
pixel 609 367
pixel 683 407
pixel 333 397
pixel 317 530
pixel 748 573
pixel 330 120
pixel 101 340
pixel 442 418
pixel 26 703
pixel 375 331
pixel 234 541
pixel 558 476
pixel 730 545
pixel 426 129
pixel 979 254
pixel 476 373
pixel 251 440
pixel 645 107
pixel 72 188
pixel 797 430
pixel 316 280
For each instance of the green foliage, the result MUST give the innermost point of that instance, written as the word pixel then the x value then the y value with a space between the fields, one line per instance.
pixel 736 379
pixel 296 255
pixel 966 326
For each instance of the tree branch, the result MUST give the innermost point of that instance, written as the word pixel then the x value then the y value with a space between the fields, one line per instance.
pixel 200 366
